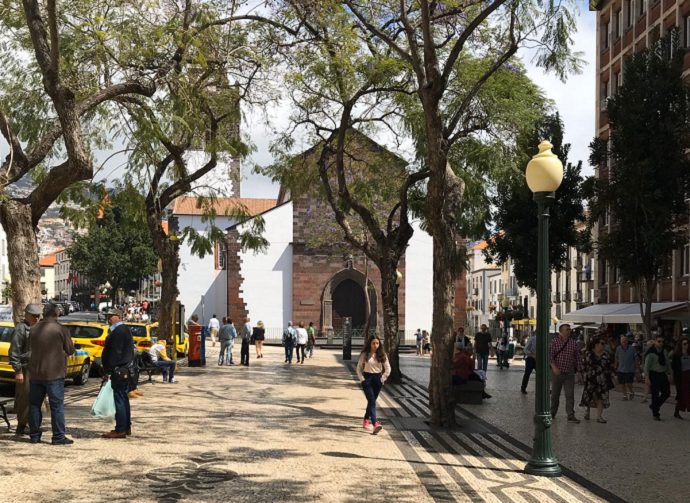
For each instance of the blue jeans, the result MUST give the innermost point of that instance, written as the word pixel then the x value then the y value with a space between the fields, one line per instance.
pixel 482 361
pixel 164 365
pixel 372 387
pixel 310 351
pixel 225 349
pixel 123 416
pixel 289 348
pixel 55 390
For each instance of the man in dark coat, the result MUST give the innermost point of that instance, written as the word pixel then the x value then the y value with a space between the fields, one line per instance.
pixel 117 358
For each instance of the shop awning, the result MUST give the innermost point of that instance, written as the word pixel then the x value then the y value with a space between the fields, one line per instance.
pixel 618 313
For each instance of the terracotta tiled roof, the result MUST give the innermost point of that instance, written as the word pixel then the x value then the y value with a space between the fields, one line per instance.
pixel 223 206
pixel 48 260
pixel 165 227
pixel 484 244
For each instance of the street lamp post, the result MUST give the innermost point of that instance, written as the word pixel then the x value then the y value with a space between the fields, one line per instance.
pixel 544 176
pixel 505 303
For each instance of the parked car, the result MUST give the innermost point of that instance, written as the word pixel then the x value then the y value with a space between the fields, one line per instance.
pixel 78 364
pixel 143 333
pixel 90 335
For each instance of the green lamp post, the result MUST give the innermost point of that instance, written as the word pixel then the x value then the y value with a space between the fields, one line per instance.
pixel 544 176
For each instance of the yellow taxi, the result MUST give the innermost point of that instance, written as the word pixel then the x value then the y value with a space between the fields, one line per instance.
pixel 143 332
pixel 78 364
pixel 90 335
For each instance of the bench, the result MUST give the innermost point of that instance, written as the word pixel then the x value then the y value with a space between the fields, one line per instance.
pixel 469 393
pixel 145 365
pixel 3 403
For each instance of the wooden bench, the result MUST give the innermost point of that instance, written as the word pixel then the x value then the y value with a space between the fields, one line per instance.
pixel 469 393
pixel 3 404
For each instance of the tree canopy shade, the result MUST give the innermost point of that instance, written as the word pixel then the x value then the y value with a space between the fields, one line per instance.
pixel 644 171
pixel 516 211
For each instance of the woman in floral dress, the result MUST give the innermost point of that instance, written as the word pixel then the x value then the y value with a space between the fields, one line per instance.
pixel 597 376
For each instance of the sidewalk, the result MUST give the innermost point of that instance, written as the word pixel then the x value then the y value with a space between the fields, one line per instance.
pixel 273 432
pixel 264 433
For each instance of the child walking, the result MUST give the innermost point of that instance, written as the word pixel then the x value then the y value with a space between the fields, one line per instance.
pixel 373 369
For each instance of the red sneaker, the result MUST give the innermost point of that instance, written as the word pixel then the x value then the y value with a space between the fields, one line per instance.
pixel 367 424
pixel 377 428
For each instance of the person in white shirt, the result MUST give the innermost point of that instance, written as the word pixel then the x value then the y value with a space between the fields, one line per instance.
pixel 373 369
pixel 302 339
pixel 160 359
pixel 213 327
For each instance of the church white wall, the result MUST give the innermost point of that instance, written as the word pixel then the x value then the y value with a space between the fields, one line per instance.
pixel 199 276
pixel 418 276
pixel 267 285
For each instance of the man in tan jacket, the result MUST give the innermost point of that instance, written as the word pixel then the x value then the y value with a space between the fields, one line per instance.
pixel 50 345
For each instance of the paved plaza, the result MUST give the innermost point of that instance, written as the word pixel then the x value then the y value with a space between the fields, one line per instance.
pixel 273 432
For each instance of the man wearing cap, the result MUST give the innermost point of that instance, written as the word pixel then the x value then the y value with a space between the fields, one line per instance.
pixel 50 344
pixel 20 353
pixel 117 358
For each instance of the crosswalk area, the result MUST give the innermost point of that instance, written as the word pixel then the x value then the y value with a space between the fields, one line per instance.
pixel 474 461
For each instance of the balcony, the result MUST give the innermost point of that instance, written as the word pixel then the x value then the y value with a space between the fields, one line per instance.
pixel 568 296
pixel 474 292
pixel 556 297
pixel 577 264
pixel 579 296
pixel 511 292
pixel 585 277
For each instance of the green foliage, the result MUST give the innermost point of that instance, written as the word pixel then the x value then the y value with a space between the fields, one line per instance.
pixel 116 250
pixel 646 189
pixel 516 211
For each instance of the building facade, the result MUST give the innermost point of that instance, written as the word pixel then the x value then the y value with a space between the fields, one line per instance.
pixel 47 265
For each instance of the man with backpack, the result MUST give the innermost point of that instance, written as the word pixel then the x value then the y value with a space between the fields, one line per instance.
pixel 289 338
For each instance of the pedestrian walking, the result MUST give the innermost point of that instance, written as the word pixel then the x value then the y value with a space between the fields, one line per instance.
pixel 311 339
pixel 419 339
pixel 117 358
pixel 50 344
pixel 373 368
pixel 160 358
pixel 530 355
pixel 461 340
pixel 301 343
pixel 227 337
pixel 626 364
pixel 598 378
pixel 482 347
pixel 258 336
pixel 289 339
pixel 214 327
pixel 565 359
pixel 19 355
pixel 502 347
pixel 657 367
pixel 246 336
pixel 680 363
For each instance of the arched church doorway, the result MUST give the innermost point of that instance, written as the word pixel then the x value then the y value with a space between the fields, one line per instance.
pixel 349 301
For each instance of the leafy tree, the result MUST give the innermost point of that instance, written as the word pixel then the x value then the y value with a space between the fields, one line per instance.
pixel 117 249
pixel 645 189
pixel 435 42
pixel 516 211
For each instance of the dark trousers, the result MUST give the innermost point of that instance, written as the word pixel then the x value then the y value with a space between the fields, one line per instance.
pixel 21 400
pixel 244 353
pixel 661 390
pixel 297 350
pixel 530 365
pixel 372 387
pixel 55 390
pixel 123 416
pixel 289 348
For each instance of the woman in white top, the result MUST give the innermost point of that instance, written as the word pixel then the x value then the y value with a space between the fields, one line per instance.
pixel 302 338
pixel 502 347
pixel 373 369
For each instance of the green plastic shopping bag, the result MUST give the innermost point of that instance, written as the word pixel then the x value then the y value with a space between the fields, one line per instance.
pixel 104 406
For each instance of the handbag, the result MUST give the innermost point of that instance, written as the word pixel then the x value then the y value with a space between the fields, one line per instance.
pixel 121 374
pixel 609 382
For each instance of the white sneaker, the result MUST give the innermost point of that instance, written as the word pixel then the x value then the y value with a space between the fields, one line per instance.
pixel 173 381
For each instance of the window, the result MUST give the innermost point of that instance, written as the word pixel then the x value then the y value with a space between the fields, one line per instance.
pixel 685 260
pixel 221 255
pixel 605 35
pixel 618 24
pixel 616 275
pixel 628 9
pixel 686 31
pixel 606 273
pixel 619 80
pixel 641 7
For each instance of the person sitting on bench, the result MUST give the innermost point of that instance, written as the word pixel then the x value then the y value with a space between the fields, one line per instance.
pixel 160 359
pixel 463 368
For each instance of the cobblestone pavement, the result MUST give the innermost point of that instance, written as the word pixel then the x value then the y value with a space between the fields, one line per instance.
pixel 273 432
pixel 269 432
pixel 633 457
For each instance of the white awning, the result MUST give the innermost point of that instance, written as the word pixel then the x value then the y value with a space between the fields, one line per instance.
pixel 618 313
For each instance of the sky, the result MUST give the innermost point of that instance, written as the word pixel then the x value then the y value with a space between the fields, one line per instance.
pixel 575 100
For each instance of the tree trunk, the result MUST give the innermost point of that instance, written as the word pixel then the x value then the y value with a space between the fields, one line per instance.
pixel 647 290
pixel 22 253
pixel 389 297
pixel 443 200
pixel 170 260
pixel 367 299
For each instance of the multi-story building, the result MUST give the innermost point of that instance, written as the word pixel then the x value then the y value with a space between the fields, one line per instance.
pixel 62 275
pixel 625 27
pixel 483 286
pixel 47 264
